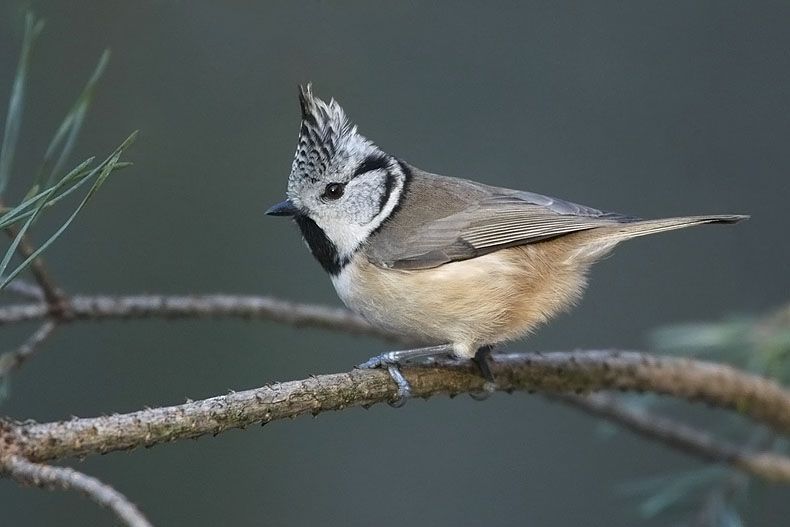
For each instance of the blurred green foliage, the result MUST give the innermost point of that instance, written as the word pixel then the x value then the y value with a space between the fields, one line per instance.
pixel 49 184
pixel 760 345
pixel 710 496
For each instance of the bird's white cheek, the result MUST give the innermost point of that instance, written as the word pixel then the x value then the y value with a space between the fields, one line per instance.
pixel 343 283
pixel 346 237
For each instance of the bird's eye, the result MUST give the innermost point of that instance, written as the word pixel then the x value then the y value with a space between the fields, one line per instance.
pixel 333 191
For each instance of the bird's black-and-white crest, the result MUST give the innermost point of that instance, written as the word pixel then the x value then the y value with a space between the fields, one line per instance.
pixel 325 133
pixel 331 153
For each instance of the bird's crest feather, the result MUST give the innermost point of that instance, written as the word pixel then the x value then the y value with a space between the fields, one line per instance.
pixel 324 132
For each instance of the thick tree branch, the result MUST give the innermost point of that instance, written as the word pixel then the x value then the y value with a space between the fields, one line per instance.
pixel 63 478
pixel 719 385
pixel 557 372
pixel 767 407
pixel 765 465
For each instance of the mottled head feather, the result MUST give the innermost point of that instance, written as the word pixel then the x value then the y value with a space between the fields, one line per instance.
pixel 325 131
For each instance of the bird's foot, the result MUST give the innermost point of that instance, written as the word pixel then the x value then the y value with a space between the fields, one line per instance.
pixel 392 361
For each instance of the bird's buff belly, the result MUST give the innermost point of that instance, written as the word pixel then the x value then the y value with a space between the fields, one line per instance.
pixel 485 300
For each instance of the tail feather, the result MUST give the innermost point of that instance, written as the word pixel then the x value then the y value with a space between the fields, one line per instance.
pixel 645 227
pixel 600 241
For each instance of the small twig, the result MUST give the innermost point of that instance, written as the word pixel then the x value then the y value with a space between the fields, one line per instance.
pixel 12 360
pixel 558 372
pixel 53 296
pixel 25 289
pixel 63 478
pixel 766 465
pixel 56 303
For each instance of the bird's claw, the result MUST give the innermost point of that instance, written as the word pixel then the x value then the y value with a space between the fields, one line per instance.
pixel 386 360
pixel 404 388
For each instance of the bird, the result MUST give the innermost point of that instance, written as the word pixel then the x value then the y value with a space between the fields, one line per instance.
pixel 456 264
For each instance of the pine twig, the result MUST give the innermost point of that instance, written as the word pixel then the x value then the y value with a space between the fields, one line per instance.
pixel 56 303
pixel 53 296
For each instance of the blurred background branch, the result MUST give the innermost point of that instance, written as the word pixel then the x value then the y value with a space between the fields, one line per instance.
pixel 765 465
pixel 247 307
pixel 64 478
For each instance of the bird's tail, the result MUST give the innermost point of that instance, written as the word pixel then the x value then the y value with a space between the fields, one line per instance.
pixel 599 241
pixel 644 227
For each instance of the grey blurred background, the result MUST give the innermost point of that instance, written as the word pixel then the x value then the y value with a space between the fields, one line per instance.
pixel 645 108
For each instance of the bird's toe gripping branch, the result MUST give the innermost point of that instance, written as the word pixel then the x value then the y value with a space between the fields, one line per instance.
pixel 392 360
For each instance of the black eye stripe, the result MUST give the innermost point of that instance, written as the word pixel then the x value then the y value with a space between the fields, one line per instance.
pixel 372 162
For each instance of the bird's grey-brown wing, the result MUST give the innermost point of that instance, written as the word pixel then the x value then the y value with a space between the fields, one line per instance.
pixel 446 219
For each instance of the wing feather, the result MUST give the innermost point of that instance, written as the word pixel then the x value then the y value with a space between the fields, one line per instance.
pixel 491 218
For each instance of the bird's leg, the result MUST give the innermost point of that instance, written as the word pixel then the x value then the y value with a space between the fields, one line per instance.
pixel 481 359
pixel 392 359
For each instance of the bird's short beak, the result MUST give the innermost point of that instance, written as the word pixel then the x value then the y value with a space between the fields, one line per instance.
pixel 286 208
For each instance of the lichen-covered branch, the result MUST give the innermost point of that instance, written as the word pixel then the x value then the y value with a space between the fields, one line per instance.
pixel 558 372
pixel 63 478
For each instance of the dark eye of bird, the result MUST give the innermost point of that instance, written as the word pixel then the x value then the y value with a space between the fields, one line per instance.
pixel 333 190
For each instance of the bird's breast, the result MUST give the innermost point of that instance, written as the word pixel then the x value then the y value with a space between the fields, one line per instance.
pixel 483 300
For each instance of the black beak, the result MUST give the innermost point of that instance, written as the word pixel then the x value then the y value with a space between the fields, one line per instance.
pixel 286 208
